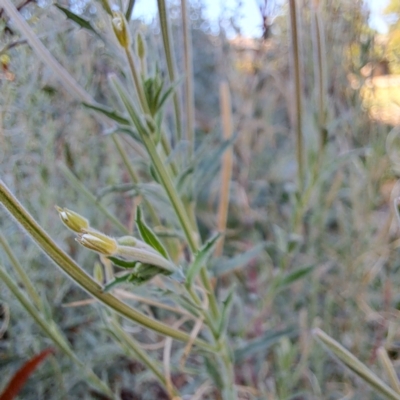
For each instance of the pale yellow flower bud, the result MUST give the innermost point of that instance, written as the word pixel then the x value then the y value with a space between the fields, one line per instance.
pixel 98 273
pixel 121 30
pixel 98 242
pixel 72 220
pixel 140 46
pixel 5 59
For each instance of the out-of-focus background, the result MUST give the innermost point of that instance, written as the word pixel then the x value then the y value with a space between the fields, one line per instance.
pixel 346 247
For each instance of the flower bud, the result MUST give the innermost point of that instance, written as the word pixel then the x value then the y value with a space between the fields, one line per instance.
pixel 121 30
pixel 5 60
pixel 145 256
pixel 98 242
pixel 72 220
pixel 140 46
pixel 98 273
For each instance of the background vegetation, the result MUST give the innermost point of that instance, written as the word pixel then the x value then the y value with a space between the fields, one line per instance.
pixel 321 252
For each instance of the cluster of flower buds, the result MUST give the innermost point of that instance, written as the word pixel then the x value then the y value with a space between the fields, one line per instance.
pixel 125 248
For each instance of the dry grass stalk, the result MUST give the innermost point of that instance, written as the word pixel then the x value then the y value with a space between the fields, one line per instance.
pixel 227 161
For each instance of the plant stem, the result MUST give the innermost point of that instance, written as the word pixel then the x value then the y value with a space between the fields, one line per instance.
pixel 189 95
pixel 128 14
pixel 166 35
pixel 79 276
pixel 52 331
pixel 389 369
pixel 166 181
pixel 227 160
pixel 67 80
pixel 181 214
pixel 297 94
pixel 61 73
pixel 133 347
pixel 320 75
pixel 134 178
pixel 33 294
pixel 136 80
pixel 143 103
pixel 355 365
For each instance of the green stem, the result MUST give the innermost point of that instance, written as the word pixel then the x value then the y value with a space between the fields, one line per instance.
pixel 135 178
pixel 144 105
pixel 78 275
pixel 298 96
pixel 52 331
pixel 320 75
pixel 136 81
pixel 229 391
pixel 128 14
pixel 33 294
pixel 173 196
pixel 167 150
pixel 189 96
pixel 132 346
pixel 355 364
pixel 166 35
pixel 182 216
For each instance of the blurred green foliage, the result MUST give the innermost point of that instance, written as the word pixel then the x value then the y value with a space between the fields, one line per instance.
pixel 340 240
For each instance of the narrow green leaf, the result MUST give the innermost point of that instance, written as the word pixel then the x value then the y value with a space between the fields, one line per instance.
pixel 148 235
pixel 144 272
pixel 182 179
pixel 140 274
pixel 226 311
pixel 294 242
pixel 128 104
pixel 128 131
pixel 293 276
pixel 116 281
pixel 213 372
pixel 397 208
pixel 210 164
pixel 261 344
pixel 184 301
pixel 355 365
pixel 83 23
pixel 153 173
pixel 281 239
pixel 200 259
pixel 222 266
pixel 108 113
pixel 122 263
pixel 168 93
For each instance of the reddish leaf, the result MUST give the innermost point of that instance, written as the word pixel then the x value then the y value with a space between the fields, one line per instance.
pixel 20 377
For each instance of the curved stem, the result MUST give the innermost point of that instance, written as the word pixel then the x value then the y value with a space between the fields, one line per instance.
pixel 78 275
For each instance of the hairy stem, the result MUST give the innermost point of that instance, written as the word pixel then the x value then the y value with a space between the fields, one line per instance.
pixel 298 92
